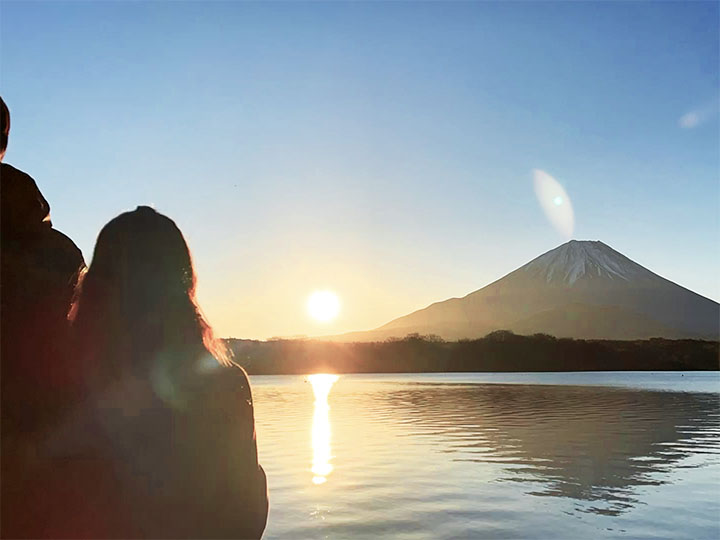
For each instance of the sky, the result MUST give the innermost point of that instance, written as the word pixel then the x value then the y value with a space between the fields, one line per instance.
pixel 382 150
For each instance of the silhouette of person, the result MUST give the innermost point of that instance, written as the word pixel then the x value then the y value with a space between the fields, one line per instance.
pixel 39 267
pixel 164 444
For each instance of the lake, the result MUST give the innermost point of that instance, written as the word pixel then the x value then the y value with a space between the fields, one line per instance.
pixel 491 455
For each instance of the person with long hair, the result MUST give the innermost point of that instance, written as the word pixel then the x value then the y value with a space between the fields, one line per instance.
pixel 163 444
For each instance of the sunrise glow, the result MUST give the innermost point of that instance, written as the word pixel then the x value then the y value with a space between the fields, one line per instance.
pixel 323 306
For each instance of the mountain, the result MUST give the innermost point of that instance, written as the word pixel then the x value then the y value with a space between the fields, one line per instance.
pixel 581 289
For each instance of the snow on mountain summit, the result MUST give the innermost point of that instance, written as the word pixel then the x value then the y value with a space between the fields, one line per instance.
pixel 578 259
pixel 581 290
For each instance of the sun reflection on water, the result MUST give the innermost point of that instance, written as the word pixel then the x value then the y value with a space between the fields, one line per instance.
pixel 321 466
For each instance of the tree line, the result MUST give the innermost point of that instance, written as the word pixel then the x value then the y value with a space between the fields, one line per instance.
pixel 500 351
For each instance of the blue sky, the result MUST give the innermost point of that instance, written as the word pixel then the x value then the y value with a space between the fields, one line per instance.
pixel 381 150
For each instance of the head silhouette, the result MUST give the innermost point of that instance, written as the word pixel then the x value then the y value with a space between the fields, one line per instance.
pixel 4 127
pixel 136 302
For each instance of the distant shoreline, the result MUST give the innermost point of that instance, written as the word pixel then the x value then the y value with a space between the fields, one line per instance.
pixel 498 352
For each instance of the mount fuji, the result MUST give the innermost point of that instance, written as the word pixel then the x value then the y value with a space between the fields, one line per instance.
pixel 581 289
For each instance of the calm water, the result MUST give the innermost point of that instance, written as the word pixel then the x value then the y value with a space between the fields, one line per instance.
pixel 577 455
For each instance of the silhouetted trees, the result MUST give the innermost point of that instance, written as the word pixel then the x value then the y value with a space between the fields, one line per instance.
pixel 499 351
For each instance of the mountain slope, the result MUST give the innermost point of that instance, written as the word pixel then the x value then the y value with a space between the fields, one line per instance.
pixel 581 289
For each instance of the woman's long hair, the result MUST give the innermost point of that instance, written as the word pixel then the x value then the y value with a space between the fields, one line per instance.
pixel 136 303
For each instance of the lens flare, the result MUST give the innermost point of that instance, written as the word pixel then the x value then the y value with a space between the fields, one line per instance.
pixel 555 202
pixel 321 433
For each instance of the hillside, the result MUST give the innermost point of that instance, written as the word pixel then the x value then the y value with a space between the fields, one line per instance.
pixel 581 289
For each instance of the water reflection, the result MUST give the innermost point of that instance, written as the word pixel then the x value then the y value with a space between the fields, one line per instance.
pixel 594 445
pixel 466 459
pixel 321 433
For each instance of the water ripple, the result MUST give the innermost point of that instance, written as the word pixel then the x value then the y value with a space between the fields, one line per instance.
pixel 499 460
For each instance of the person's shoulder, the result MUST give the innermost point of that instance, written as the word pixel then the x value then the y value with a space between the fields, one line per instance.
pixel 70 252
pixel 7 171
pixel 210 381
pixel 232 378
pixel 237 373
pixel 23 205
pixel 15 180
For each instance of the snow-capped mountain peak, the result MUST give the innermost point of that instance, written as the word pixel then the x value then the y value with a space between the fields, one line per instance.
pixel 581 289
pixel 579 259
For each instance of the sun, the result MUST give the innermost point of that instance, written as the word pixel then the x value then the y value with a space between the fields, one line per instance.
pixel 323 306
